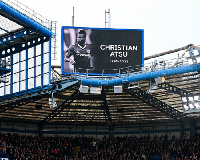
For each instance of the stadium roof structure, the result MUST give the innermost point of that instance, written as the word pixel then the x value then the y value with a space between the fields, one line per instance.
pixel 20 24
pixel 136 104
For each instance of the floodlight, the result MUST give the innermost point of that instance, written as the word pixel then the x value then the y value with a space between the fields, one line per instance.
pixel 190 98
pixel 196 98
pixel 52 102
pixel 197 105
pixel 190 61
pixel 186 107
pixel 191 103
pixel 184 99
pixel 95 90
pixel 191 106
pixel 118 89
pixel 84 89
pixel 198 59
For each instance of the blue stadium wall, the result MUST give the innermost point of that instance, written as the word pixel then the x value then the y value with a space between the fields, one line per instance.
pixel 30 68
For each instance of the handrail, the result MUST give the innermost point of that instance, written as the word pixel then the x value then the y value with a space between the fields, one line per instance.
pixel 138 72
pixel 29 13
pixel 138 69
pixel 188 62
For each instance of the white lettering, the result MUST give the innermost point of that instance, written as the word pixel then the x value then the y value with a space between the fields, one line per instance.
pixel 118 47
pixel 118 54
pixel 102 47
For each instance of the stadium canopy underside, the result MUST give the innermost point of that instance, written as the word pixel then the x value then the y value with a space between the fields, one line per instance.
pixel 133 106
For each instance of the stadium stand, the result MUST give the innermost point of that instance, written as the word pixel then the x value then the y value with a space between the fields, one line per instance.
pixel 18 146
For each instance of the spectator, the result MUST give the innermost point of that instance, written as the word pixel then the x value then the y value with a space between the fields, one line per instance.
pixel 57 147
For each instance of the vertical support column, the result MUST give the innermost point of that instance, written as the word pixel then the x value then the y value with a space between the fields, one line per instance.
pixel 142 49
pixel 193 128
pixel 20 71
pixel 82 131
pixel 107 13
pixel 25 128
pixel 96 131
pixel 126 131
pixel 111 131
pixel 42 64
pixel 40 128
pixel 0 127
pixel 34 51
pixel 26 82
pixel 49 61
pixel 73 18
pixel 105 19
pixel 54 40
pixel 11 76
pixel 5 86
pixel 182 128
pixel 26 46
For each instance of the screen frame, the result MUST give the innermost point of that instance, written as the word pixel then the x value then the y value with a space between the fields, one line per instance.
pixel 72 27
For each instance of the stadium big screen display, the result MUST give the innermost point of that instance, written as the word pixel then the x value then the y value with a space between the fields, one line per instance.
pixel 100 49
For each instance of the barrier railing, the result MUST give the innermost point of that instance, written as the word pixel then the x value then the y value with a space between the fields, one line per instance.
pixel 191 56
pixel 138 69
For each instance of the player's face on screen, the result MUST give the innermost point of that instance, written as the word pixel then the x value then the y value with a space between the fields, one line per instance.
pixel 80 38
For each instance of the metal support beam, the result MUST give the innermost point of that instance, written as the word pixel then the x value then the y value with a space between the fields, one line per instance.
pixel 11 77
pixel 18 17
pixel 4 30
pixel 141 76
pixel 107 19
pixel 182 128
pixel 34 52
pixel 105 105
pixel 173 89
pixel 22 101
pixel 12 49
pixel 26 68
pixel 42 66
pixel 156 103
pixel 13 36
pixel 4 70
pixel 40 128
pixel 60 108
pixel 36 91
pixel 20 68
pixel 49 60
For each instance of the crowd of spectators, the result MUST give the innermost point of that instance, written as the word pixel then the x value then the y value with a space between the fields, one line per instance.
pixel 22 147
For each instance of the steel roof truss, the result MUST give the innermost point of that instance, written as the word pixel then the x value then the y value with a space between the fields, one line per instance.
pixel 156 103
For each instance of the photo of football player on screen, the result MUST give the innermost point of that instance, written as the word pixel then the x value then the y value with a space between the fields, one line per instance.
pixel 80 53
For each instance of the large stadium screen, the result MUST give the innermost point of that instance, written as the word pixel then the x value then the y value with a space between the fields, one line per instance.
pixel 100 49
